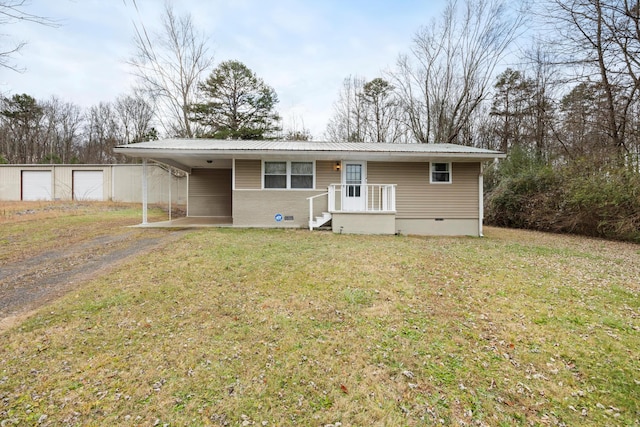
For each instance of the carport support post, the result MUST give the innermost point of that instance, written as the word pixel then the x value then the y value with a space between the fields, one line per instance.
pixel 170 184
pixel 144 191
pixel 480 201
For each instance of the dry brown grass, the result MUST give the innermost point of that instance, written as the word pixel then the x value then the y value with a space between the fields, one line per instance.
pixel 28 228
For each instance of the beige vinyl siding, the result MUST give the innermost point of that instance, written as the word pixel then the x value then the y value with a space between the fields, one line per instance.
pixel 210 192
pixel 417 198
pixel 248 174
pixel 325 175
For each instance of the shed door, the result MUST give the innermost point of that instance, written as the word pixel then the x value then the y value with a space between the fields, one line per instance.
pixel 210 193
pixel 36 185
pixel 88 185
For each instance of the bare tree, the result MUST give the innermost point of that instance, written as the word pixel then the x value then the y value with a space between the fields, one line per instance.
pixel 452 64
pixel 522 111
pixel 600 39
pixel 348 121
pixel 64 129
pixel 170 64
pixel 295 130
pixel 366 112
pixel 102 133
pixel 135 115
pixel 381 111
pixel 12 11
pixel 511 104
pixel 543 118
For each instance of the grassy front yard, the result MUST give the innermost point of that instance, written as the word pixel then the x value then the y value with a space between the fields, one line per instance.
pixel 275 327
pixel 29 228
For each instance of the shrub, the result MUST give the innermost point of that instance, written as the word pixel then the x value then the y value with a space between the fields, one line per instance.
pixel 517 188
pixel 602 201
pixel 581 197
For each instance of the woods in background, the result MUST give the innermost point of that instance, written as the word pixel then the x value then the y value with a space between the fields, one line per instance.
pixel 571 126
pixel 55 131
pixel 566 108
pixel 173 98
pixel 567 112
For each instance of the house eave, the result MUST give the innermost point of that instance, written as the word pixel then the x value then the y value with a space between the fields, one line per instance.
pixel 162 154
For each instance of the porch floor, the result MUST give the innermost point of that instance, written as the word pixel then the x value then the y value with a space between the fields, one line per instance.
pixel 191 222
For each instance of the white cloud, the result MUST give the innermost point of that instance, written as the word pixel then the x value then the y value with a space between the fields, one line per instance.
pixel 303 49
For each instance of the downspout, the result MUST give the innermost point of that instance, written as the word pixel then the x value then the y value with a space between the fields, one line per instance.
pixel 170 185
pixel 144 191
pixel 188 176
pixel 480 201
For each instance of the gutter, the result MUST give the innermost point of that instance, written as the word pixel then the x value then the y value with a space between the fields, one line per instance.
pixel 321 155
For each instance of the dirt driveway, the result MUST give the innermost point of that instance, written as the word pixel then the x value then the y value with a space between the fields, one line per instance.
pixel 42 276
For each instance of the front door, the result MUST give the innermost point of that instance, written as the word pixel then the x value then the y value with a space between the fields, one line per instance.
pixel 354 188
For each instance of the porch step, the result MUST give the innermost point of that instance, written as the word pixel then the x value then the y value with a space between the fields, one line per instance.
pixel 321 220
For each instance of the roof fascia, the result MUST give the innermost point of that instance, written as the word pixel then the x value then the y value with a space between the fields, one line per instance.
pixel 318 155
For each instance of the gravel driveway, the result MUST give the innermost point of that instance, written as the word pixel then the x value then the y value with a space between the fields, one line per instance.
pixel 30 283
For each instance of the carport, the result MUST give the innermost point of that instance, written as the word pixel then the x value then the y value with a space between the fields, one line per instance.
pixel 209 190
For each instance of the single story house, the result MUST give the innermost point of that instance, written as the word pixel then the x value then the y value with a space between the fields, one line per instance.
pixel 369 188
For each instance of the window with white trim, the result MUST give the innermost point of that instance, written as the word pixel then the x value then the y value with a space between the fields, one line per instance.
pixel 275 174
pixel 440 173
pixel 288 175
pixel 301 174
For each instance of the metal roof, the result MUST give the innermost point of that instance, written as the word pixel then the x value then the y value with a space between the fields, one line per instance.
pixel 306 146
pixel 201 153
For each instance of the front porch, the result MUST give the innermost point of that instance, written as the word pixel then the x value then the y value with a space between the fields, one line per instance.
pixel 360 209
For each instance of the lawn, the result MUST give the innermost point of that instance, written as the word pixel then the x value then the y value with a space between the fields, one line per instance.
pixel 28 228
pixel 291 327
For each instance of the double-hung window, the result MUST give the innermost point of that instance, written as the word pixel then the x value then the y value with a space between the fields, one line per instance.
pixel 301 174
pixel 275 174
pixel 440 173
pixel 288 175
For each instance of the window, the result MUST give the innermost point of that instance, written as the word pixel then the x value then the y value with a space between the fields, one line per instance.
pixel 288 175
pixel 440 173
pixel 353 176
pixel 275 174
pixel 301 175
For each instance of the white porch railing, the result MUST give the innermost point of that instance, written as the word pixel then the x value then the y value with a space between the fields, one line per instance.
pixel 362 198
pixel 313 223
pixel 369 198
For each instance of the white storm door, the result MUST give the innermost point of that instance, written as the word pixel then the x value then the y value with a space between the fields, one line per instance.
pixel 354 187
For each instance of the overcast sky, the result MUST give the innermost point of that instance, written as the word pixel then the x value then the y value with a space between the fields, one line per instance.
pixel 304 49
